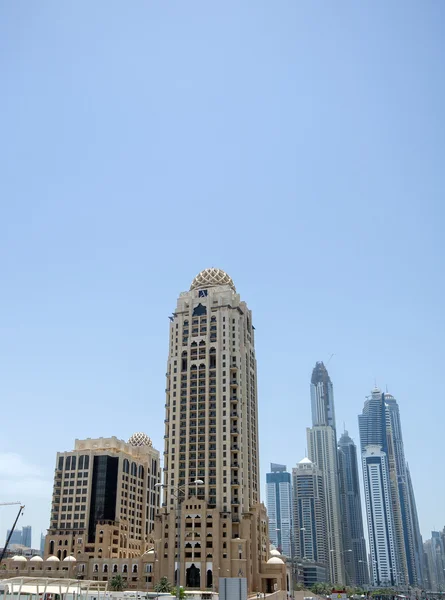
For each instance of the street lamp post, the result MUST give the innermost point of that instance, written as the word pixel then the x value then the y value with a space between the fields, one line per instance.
pixel 176 491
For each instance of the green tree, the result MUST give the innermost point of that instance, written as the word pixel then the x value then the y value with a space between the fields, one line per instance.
pixel 118 583
pixel 164 586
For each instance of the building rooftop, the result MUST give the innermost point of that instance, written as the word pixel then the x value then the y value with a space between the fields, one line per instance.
pixel 212 277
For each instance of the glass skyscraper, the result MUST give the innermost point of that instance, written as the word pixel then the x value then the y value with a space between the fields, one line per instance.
pixel 356 567
pixel 279 507
pixel 322 450
pixel 380 427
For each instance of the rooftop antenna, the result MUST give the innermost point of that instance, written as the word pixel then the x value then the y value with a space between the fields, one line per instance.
pixel 386 388
pixel 329 359
pixel 344 427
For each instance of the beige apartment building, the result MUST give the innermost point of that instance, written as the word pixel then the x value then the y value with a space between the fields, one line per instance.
pixel 211 463
pixel 104 500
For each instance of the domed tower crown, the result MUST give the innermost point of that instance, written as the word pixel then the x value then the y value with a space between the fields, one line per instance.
pixel 212 277
pixel 140 439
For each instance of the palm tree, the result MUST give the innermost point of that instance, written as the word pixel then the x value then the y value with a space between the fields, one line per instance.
pixel 118 583
pixel 163 586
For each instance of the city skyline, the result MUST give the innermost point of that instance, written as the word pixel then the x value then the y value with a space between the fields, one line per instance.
pixel 317 178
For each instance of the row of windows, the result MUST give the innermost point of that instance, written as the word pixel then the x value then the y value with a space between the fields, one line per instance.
pixel 70 463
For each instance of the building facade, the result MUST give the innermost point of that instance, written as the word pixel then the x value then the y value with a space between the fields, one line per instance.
pixel 380 425
pixel 435 561
pixel 279 507
pixel 322 397
pixel 355 560
pixel 410 526
pixel 379 514
pixel 322 450
pixel 105 499
pixel 211 463
pixel 309 517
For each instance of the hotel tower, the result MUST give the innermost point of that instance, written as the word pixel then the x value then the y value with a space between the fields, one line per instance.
pixel 211 523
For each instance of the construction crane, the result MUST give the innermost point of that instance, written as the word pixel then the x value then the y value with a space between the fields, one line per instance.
pixel 22 506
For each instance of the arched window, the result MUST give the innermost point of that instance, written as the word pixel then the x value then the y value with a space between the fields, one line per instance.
pixel 212 350
pixel 59 554
pixel 135 568
pixel 114 568
pixel 202 343
pixel 209 578
pixel 141 472
pixel 60 542
pixel 51 547
pixel 126 466
pixel 64 554
pixel 186 323
pixel 68 463
pixel 133 469
pixel 73 463
pixel 96 569
pixel 105 568
pixel 66 542
pixel 124 568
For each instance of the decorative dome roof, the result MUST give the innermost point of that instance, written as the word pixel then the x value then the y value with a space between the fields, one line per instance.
pixel 140 439
pixel 69 559
pixel 36 558
pixel 211 278
pixel 19 558
pixel 275 552
pixel 274 560
pixel 306 461
pixel 52 559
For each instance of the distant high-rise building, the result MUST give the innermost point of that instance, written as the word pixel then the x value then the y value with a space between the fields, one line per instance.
pixel 309 516
pixel 435 559
pixel 279 507
pixel 322 450
pixel 16 537
pixel 380 425
pixel 356 568
pixel 410 525
pixel 322 397
pixel 27 536
pixel 42 544
pixel 104 498
pixel 380 517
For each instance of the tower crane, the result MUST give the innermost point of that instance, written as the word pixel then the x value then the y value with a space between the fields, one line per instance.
pixel 22 506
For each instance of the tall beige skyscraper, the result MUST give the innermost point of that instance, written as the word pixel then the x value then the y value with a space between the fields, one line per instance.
pixel 211 464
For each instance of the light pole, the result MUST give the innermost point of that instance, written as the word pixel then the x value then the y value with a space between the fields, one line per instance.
pixel 176 491
pixel 346 571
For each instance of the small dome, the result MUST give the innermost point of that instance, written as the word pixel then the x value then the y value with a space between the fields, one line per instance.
pixel 36 558
pixel 306 461
pixel 275 552
pixel 275 561
pixel 69 559
pixel 19 558
pixel 211 278
pixel 140 439
pixel 52 559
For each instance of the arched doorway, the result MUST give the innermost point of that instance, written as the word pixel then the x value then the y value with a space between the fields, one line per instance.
pixel 193 577
pixel 209 578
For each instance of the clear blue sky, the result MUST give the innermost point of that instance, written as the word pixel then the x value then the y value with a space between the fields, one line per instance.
pixel 298 145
